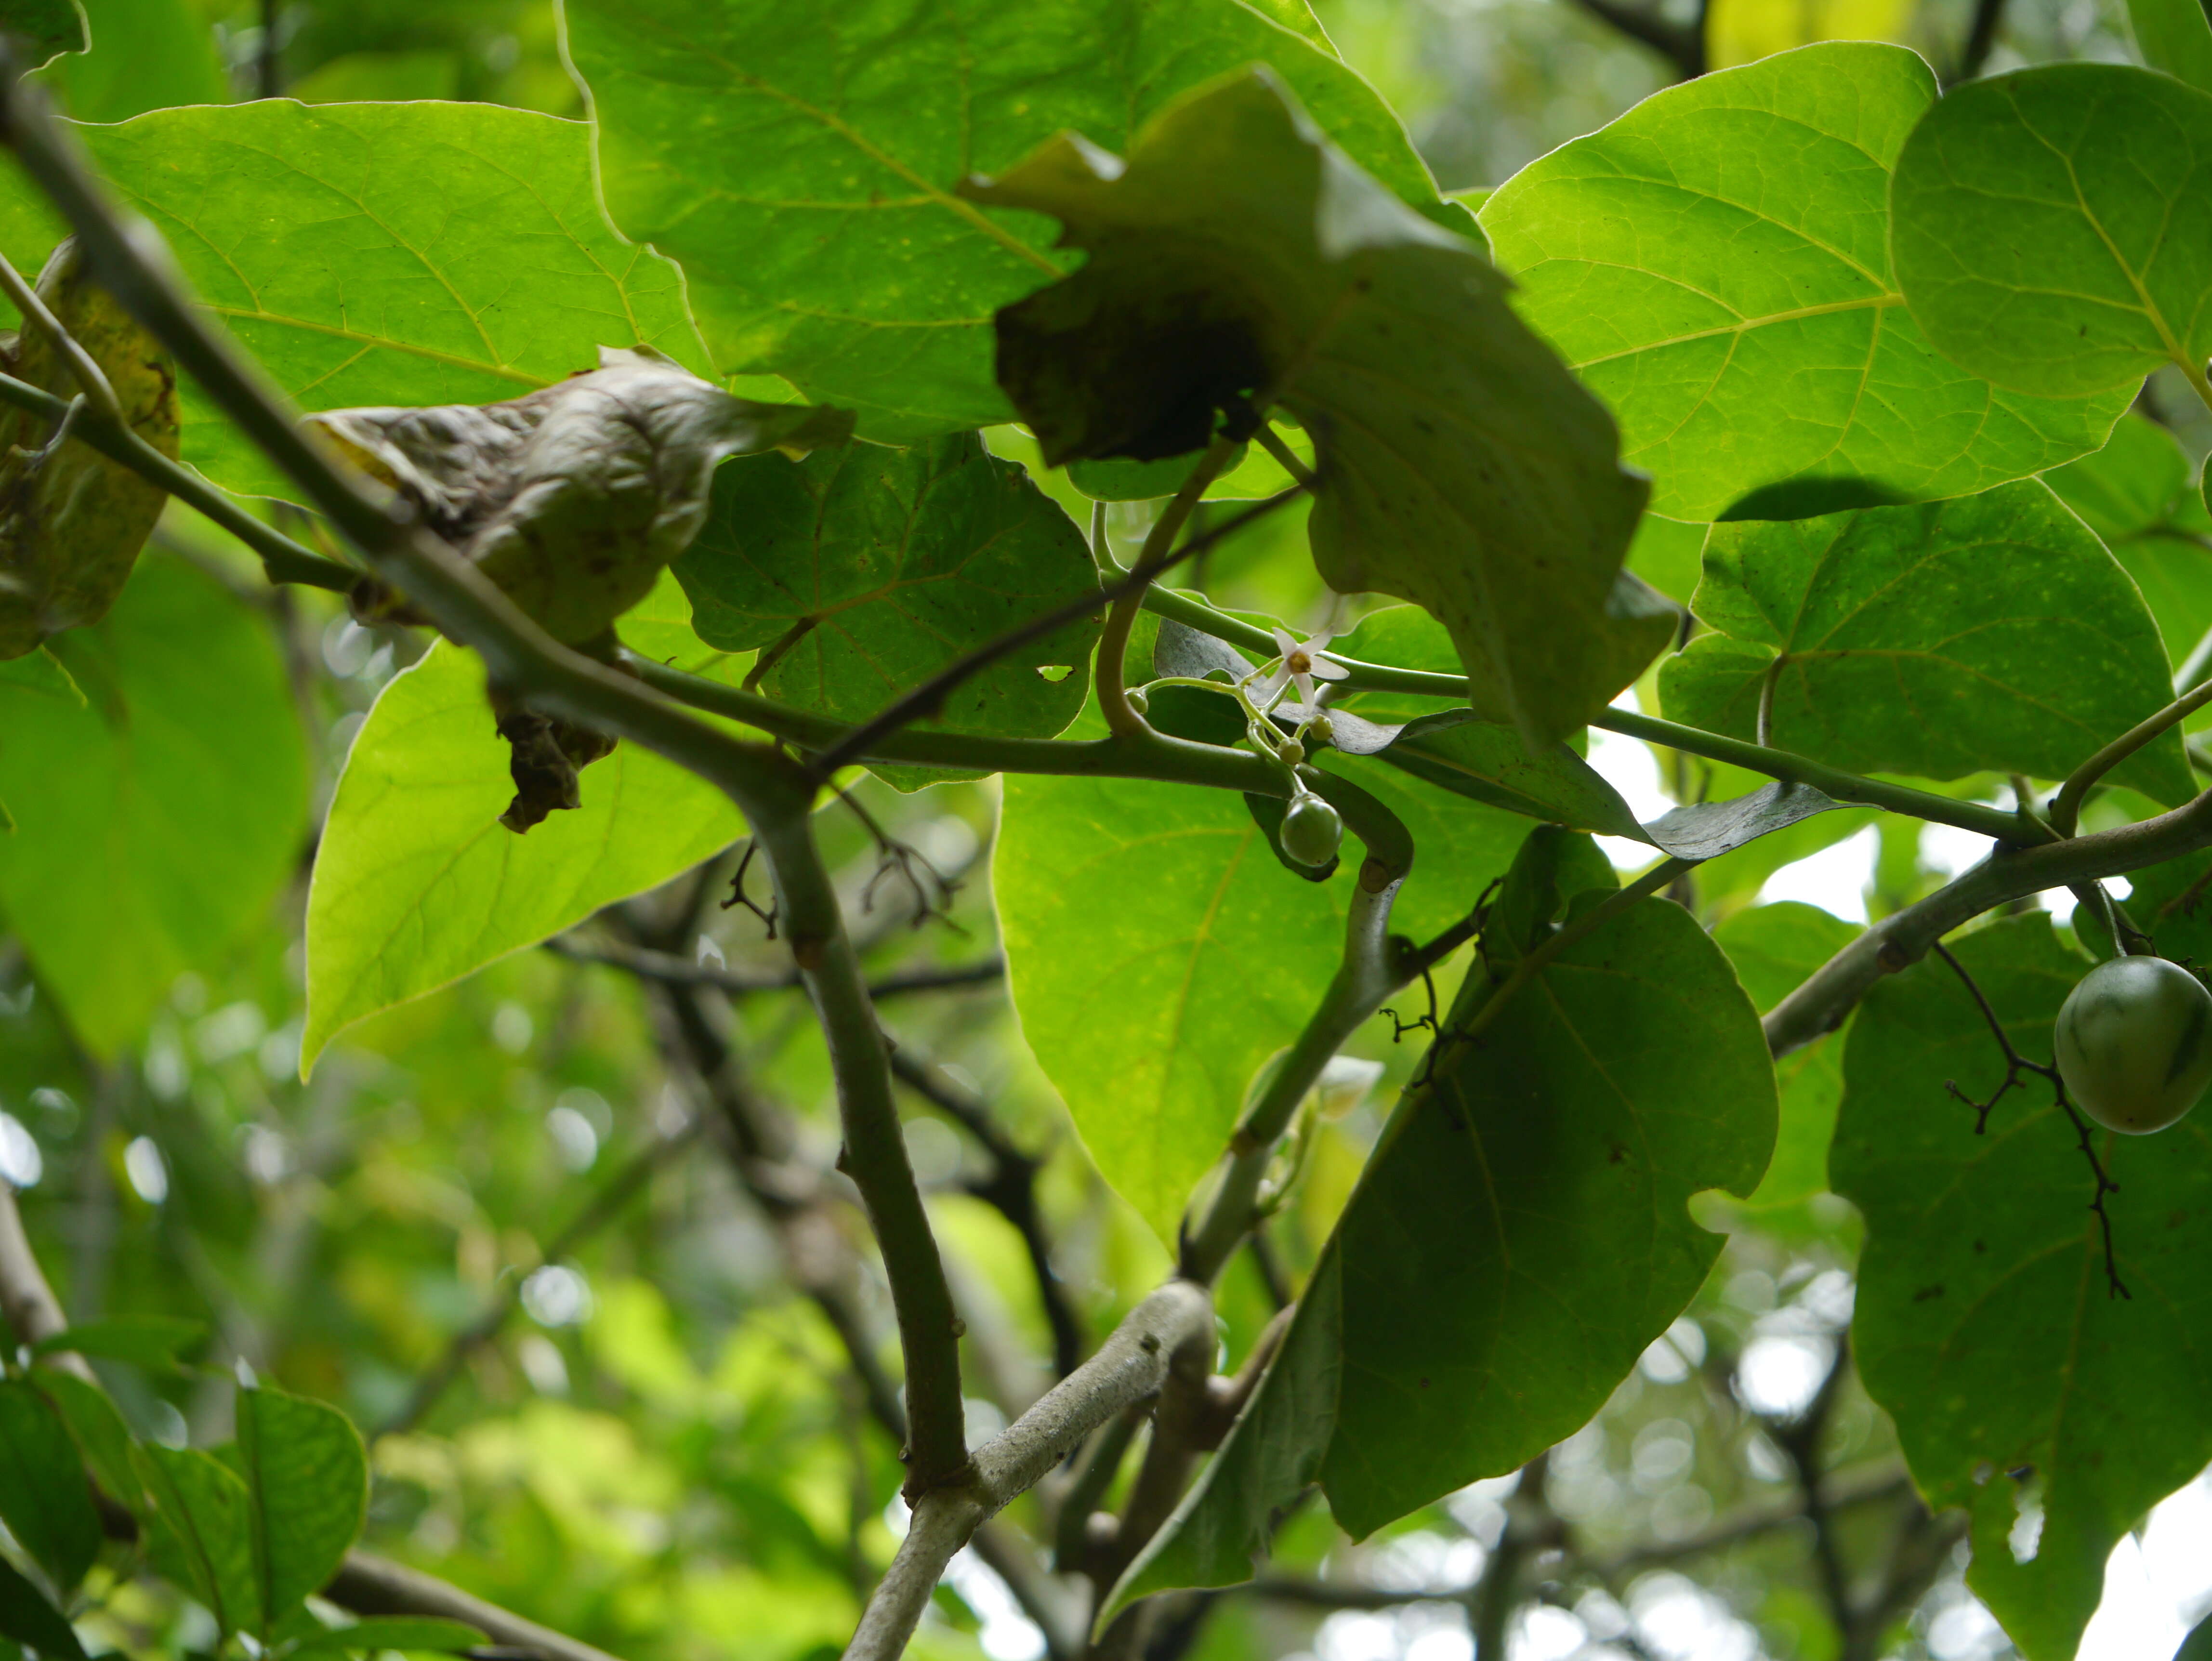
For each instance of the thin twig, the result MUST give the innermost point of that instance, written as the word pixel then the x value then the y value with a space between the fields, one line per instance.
pixel 1684 47
pixel 682 972
pixel 926 699
pixel 88 375
pixel 1981 39
pixel 2015 1065
pixel 2066 806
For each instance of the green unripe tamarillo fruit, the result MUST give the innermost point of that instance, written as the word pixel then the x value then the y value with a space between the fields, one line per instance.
pixel 2134 1043
pixel 1311 831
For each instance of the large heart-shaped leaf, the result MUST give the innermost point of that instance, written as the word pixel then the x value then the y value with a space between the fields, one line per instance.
pixel 2054 228
pixel 2140 494
pixel 1163 905
pixel 381 253
pixel 800 160
pixel 1990 633
pixel 1461 466
pixel 1715 265
pixel 1983 1325
pixel 416 882
pixel 1520 1235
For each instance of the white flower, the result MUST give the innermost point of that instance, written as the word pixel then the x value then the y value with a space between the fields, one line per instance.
pixel 1301 665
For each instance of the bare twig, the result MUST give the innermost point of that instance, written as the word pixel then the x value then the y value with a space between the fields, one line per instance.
pixel 926 699
pixel 682 972
pixel 2066 806
pixel 1981 37
pixel 1682 46
pixel 2015 1065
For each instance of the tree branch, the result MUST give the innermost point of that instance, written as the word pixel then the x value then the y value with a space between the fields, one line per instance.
pixel 1981 37
pixel 666 966
pixel 1682 47
pixel 1130 1365
pixel 285 560
pixel 1820 1004
pixel 1010 1190
pixel 2066 806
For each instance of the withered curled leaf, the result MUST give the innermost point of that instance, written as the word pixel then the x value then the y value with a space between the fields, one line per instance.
pixel 573 497
pixel 71 520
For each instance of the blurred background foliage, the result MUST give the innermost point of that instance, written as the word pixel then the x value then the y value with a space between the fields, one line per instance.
pixel 661 1448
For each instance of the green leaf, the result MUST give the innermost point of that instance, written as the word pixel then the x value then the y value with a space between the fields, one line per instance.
pixel 1520 1236
pixel 200 1531
pixel 47 27
pixel 44 1497
pixel 2054 228
pixel 1157 954
pixel 155 824
pixel 658 627
pixel 102 1439
pixel 1462 467
pixel 316 233
pixel 417 883
pixel 2174 36
pixel 1715 265
pixel 800 163
pixel 308 1476
pixel 2139 493
pixel 860 572
pixel 2197 1647
pixel 1990 633
pixel 1983 1323
pixel 393 1633
pixel 1774 947
pixel 146 55
pixel 159 1341
pixel 27 1617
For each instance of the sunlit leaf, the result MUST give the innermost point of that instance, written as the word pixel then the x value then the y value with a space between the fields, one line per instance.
pixel 416 882
pixel 1715 265
pixel 155 821
pixel 1990 633
pixel 2054 228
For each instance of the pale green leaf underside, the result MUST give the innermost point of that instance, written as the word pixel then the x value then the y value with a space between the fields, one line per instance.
pixel 1981 1251
pixel 381 253
pixel 417 883
pixel 1991 633
pixel 1157 952
pixel 800 160
pixel 1714 264
pixel 1519 1237
pixel 158 801
pixel 2054 228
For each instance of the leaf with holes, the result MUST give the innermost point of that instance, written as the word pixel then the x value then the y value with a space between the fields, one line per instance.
pixel 1461 465
pixel 1715 265
pixel 1990 633
pixel 1983 1325
pixel 800 160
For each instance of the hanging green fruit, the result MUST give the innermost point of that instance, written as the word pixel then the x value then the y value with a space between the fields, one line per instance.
pixel 2134 1043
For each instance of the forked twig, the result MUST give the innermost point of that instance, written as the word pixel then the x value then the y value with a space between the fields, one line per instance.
pixel 2015 1065
pixel 739 897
